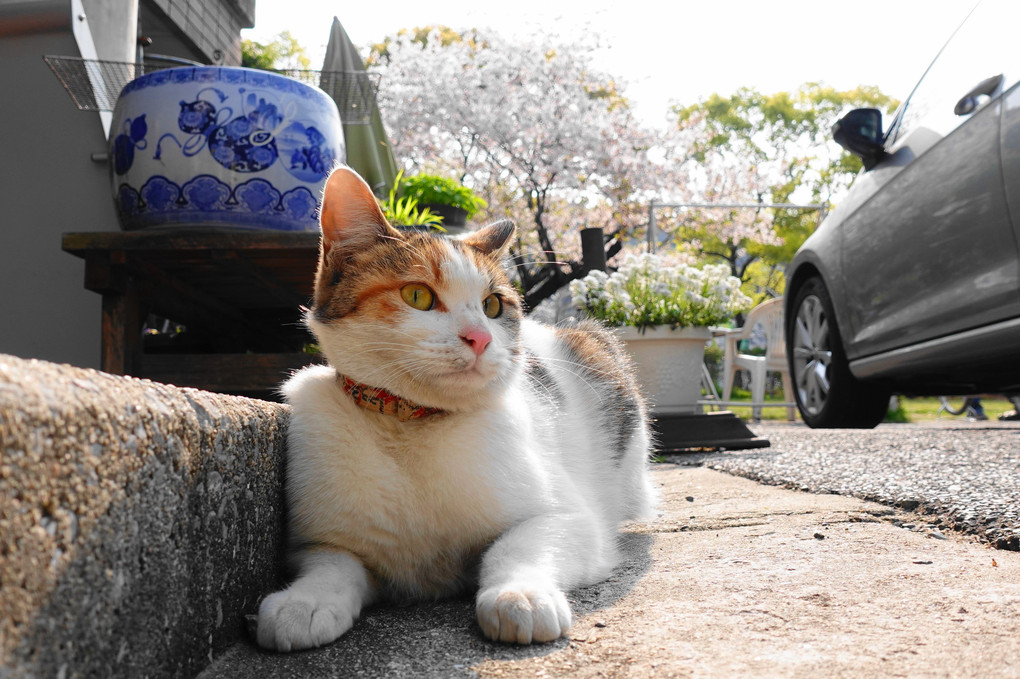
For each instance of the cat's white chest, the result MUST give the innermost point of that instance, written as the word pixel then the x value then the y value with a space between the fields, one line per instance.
pixel 417 501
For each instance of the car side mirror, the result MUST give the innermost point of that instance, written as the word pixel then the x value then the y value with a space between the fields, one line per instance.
pixel 860 133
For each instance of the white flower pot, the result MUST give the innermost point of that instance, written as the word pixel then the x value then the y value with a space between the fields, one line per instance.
pixel 668 363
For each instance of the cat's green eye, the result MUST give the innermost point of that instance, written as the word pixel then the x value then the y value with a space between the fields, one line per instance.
pixel 418 296
pixel 492 306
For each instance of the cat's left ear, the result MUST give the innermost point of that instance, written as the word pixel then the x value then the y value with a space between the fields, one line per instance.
pixel 493 240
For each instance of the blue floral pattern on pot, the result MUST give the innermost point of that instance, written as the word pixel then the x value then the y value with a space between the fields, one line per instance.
pixel 221 146
pixel 125 143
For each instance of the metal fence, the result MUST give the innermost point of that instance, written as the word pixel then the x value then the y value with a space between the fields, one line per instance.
pixel 95 85
pixel 652 238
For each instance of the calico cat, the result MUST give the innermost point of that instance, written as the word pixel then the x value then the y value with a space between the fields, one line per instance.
pixel 451 442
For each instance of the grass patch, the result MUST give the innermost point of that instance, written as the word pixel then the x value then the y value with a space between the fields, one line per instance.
pixel 924 409
pixel 897 415
pixel 767 413
pixel 927 408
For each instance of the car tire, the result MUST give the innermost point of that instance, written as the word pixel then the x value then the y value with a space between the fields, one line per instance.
pixel 826 392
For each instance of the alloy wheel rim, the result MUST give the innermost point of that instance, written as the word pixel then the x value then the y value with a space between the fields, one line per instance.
pixel 812 355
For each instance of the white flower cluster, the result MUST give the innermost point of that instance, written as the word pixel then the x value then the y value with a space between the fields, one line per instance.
pixel 646 290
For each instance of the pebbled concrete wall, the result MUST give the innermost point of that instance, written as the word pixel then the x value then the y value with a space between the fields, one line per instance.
pixel 139 522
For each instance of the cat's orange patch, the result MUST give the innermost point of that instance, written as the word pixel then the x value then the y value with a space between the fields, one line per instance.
pixel 383 305
pixel 379 290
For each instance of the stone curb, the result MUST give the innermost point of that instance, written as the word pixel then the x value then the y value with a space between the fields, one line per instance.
pixel 139 522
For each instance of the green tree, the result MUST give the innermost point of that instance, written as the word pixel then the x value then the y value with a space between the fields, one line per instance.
pixel 284 52
pixel 751 147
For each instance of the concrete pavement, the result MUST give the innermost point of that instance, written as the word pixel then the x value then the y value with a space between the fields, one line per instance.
pixel 960 475
pixel 732 578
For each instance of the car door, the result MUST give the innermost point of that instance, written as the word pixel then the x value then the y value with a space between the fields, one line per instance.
pixel 1011 155
pixel 933 251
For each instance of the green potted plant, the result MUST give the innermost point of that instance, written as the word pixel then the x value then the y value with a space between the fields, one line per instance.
pixel 443 196
pixel 662 312
pixel 405 212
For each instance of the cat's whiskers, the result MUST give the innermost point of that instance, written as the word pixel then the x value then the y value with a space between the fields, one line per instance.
pixel 373 351
pixel 384 328
pixel 422 376
pixel 389 369
pixel 441 351
pixel 579 374
pixel 377 344
pixel 382 375
pixel 387 330
pixel 524 265
pixel 418 370
pixel 546 389
pixel 587 367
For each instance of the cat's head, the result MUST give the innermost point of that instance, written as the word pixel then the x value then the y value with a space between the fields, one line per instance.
pixel 432 319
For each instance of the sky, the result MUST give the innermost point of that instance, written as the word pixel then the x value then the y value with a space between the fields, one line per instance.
pixel 671 51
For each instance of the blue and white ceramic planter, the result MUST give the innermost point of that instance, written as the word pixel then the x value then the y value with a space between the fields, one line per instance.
pixel 222 146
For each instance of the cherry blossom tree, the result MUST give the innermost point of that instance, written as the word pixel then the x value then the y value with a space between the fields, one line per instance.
pixel 545 138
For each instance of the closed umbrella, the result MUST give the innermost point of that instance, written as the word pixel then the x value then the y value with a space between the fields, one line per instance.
pixel 344 79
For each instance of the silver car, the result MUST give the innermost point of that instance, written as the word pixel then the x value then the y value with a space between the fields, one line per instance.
pixel 912 285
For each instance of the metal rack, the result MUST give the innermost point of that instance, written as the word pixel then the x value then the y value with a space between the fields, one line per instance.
pixel 95 85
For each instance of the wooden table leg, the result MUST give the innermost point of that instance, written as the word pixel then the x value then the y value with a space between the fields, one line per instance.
pixel 121 331
pixel 121 340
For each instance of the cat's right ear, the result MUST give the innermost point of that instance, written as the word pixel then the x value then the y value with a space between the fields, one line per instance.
pixel 351 217
pixel 494 240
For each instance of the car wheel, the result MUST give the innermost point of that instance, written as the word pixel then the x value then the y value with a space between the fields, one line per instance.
pixel 827 394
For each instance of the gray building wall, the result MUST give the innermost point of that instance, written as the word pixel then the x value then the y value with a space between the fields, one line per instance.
pixel 114 26
pixel 49 185
pixel 210 30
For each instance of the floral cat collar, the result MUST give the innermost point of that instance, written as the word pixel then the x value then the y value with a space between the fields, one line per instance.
pixel 382 401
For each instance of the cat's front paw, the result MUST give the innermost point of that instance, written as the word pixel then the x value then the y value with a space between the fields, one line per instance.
pixel 523 613
pixel 292 620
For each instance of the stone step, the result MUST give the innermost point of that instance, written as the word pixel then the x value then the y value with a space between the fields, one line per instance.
pixel 139 522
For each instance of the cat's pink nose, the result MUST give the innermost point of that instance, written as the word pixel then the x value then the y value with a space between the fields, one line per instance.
pixel 477 339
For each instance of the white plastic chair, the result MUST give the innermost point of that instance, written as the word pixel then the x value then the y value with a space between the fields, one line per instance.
pixel 769 315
